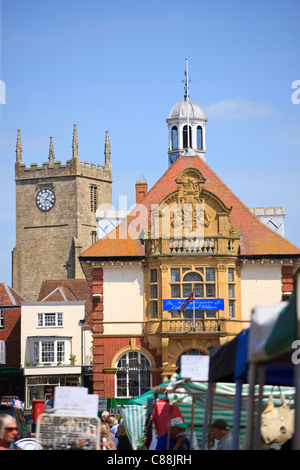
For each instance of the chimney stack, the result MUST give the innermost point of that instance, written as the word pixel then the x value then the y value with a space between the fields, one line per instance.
pixel 141 189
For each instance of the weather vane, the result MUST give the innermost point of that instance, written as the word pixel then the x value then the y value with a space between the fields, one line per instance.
pixel 186 81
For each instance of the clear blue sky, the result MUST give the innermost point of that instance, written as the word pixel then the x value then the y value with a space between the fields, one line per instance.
pixel 119 66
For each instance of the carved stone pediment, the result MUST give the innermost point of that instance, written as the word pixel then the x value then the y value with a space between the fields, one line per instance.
pixel 191 214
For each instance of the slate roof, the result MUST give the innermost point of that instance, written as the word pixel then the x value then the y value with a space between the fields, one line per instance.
pixel 256 238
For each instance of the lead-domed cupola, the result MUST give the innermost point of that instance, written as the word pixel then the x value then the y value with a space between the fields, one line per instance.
pixel 183 116
pixel 186 108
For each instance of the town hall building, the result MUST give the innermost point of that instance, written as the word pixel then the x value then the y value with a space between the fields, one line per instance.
pixel 189 237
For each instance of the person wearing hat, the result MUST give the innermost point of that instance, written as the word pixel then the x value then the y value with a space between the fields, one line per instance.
pixel 221 433
pixel 178 440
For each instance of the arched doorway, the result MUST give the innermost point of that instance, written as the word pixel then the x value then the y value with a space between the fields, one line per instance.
pixel 189 352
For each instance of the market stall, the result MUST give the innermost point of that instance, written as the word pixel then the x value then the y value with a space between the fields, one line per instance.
pixel 273 342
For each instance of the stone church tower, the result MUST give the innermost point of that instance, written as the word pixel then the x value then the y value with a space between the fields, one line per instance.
pixel 56 216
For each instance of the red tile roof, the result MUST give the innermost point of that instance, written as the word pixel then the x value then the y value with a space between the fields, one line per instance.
pixel 8 296
pixel 66 290
pixel 256 238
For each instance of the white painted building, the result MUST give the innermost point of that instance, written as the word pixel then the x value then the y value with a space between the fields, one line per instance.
pixel 54 346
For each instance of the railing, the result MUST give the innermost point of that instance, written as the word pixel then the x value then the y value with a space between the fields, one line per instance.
pixel 212 325
pixel 193 245
pixel 212 245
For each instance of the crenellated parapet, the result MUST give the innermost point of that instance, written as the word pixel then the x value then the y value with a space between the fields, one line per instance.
pixel 57 168
pixel 72 167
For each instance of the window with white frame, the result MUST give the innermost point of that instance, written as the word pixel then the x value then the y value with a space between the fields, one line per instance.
pixel 2 317
pixel 133 376
pixel 2 352
pixel 49 351
pixel 153 293
pixel 231 292
pixel 49 320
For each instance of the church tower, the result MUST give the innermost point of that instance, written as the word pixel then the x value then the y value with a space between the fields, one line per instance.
pixel 56 207
pixel 186 125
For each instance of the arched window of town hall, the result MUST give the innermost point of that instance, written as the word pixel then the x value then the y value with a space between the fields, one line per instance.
pixel 133 377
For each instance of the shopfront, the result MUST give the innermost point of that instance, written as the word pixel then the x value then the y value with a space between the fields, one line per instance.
pixel 42 387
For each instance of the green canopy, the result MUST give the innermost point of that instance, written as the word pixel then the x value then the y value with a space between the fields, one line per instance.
pixel 135 414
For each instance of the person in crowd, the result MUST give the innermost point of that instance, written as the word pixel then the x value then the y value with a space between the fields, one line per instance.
pixel 104 417
pixel 177 438
pixel 106 439
pixel 221 433
pixel 8 433
pixel 122 438
pixel 113 424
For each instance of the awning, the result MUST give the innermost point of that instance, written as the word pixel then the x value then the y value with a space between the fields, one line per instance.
pixel 273 330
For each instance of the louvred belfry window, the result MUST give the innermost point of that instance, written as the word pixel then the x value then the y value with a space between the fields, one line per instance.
pixel 93 198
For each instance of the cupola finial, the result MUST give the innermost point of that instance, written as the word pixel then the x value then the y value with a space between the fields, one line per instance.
pixel 186 81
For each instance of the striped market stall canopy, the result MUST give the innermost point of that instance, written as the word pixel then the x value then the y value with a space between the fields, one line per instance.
pixel 135 414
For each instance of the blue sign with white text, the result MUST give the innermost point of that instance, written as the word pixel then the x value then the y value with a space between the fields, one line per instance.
pixel 200 304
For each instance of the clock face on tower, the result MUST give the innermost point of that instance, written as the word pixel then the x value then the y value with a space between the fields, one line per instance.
pixel 45 199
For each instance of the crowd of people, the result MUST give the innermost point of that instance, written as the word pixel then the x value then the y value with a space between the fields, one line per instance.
pixel 113 433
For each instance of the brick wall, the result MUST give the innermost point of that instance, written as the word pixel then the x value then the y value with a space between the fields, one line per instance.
pixel 11 334
pixel 286 281
pixel 106 348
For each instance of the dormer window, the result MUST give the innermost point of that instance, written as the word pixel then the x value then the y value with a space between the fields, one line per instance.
pixel 174 138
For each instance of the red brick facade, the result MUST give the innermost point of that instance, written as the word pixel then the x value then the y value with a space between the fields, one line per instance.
pixel 11 334
pixel 108 348
pixel 287 280
pixel 97 329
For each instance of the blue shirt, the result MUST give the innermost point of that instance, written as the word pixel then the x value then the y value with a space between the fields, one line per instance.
pixel 162 442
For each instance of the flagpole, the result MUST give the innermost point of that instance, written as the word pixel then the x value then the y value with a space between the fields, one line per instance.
pixel 193 311
pixel 187 102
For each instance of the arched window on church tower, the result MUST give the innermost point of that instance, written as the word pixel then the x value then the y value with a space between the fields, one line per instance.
pixel 174 137
pixel 199 137
pixel 187 144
